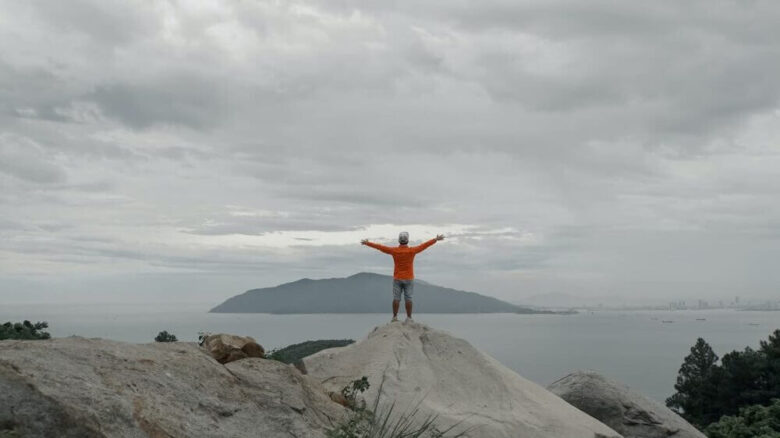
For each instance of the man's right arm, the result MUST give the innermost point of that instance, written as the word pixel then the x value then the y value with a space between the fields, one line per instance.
pixel 384 249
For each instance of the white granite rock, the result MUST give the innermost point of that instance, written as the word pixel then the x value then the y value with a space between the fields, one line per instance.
pixel 450 378
pixel 76 387
pixel 625 410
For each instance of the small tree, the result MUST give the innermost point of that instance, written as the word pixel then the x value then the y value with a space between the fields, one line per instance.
pixel 351 392
pixel 771 351
pixel 697 385
pixel 752 422
pixel 24 330
pixel 164 336
pixel 743 382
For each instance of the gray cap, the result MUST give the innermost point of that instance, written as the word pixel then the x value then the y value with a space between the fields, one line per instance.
pixel 403 238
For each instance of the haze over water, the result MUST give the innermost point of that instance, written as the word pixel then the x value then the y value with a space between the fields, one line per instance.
pixel 634 347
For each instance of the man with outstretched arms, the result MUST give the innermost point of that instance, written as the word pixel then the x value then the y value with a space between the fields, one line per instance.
pixel 403 274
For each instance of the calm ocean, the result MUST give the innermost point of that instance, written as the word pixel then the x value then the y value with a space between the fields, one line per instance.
pixel 635 347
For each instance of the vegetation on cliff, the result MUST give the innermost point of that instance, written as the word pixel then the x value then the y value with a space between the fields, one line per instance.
pixel 380 422
pixel 741 384
pixel 294 353
pixel 24 330
pixel 752 422
pixel 164 336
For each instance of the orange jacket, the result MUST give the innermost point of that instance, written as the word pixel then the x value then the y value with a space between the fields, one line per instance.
pixel 403 256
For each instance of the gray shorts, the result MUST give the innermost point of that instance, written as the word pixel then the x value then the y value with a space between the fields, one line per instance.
pixel 407 286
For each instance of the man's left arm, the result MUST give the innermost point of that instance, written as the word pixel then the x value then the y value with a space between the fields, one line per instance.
pixel 423 246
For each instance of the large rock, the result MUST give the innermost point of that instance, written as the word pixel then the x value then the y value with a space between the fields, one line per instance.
pixel 448 377
pixel 621 408
pixel 75 387
pixel 228 348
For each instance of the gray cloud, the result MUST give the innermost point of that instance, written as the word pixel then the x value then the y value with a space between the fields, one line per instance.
pixel 110 23
pixel 187 100
pixel 26 161
pixel 261 225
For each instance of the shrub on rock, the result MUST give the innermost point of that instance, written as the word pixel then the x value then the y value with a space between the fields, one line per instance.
pixel 164 336
pixel 24 330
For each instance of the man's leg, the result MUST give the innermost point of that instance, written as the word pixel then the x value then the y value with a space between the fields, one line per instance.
pixel 408 292
pixel 396 298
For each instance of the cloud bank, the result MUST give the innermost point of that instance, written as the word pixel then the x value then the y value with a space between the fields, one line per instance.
pixel 600 148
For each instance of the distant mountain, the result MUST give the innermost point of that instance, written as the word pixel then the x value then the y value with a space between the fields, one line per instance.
pixel 360 293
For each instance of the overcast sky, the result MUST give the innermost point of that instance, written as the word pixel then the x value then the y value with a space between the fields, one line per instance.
pixel 155 150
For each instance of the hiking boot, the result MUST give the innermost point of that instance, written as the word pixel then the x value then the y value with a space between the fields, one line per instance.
pixel 395 319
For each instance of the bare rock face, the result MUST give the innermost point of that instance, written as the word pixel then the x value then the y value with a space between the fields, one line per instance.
pixel 445 376
pixel 76 387
pixel 228 348
pixel 621 408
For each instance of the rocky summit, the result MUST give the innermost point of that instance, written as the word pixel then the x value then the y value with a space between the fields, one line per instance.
pixel 416 366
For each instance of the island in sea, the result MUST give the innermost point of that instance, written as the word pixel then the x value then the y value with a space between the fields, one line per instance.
pixel 361 293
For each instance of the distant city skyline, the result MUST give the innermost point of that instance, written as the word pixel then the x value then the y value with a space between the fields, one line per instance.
pixel 162 151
